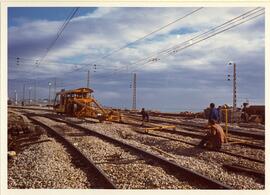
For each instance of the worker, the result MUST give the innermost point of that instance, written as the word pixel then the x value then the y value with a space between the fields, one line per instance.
pixel 220 116
pixel 244 114
pixel 214 138
pixel 214 114
pixel 145 115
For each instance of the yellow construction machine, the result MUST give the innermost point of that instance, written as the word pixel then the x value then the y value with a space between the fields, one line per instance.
pixel 80 103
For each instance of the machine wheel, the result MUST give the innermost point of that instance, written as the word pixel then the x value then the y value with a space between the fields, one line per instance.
pixel 101 118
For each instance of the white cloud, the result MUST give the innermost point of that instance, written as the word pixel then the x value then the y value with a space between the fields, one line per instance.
pixel 89 37
pixel 107 95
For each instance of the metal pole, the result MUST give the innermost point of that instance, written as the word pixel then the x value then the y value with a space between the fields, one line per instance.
pixel 16 97
pixel 88 78
pixel 35 92
pixel 54 87
pixel 234 106
pixel 29 95
pixel 234 92
pixel 23 93
pixel 50 93
pixel 226 121
pixel 134 92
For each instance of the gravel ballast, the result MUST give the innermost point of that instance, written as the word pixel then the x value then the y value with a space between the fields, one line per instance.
pixel 208 163
pixel 45 165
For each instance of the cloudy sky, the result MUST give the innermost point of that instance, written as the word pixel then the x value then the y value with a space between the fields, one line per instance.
pixel 188 76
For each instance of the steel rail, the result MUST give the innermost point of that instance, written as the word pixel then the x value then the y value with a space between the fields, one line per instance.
pixel 105 182
pixel 31 108
pixel 176 168
pixel 222 151
pixel 238 168
pixel 194 134
pixel 232 131
pixel 200 135
pixel 195 144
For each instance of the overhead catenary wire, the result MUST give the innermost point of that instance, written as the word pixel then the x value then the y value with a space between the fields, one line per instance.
pixel 151 58
pixel 151 33
pixel 32 61
pixel 203 36
pixel 82 64
pixel 154 58
pixel 60 31
pixel 242 17
pixel 248 15
pixel 145 36
pixel 49 61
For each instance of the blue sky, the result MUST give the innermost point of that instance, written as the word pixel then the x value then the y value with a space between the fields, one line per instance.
pixel 16 15
pixel 188 80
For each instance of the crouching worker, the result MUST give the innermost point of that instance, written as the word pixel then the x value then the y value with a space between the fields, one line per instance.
pixel 214 138
pixel 145 116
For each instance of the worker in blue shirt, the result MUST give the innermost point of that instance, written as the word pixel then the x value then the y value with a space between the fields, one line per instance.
pixel 214 113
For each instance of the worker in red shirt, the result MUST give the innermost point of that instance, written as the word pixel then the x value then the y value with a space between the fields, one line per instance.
pixel 215 136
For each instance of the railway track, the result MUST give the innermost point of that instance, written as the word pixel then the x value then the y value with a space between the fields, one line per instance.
pixel 235 131
pixel 184 125
pixel 167 134
pixel 197 131
pixel 110 173
pixel 186 133
pixel 192 134
pixel 103 180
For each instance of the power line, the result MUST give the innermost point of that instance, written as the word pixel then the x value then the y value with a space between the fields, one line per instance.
pixel 190 42
pixel 114 51
pixel 249 15
pixel 213 34
pixel 147 35
pixel 151 33
pixel 30 61
pixel 237 19
pixel 50 61
pixel 154 57
pixel 210 33
pixel 61 29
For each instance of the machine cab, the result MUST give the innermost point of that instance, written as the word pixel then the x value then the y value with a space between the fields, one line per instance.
pixel 64 99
